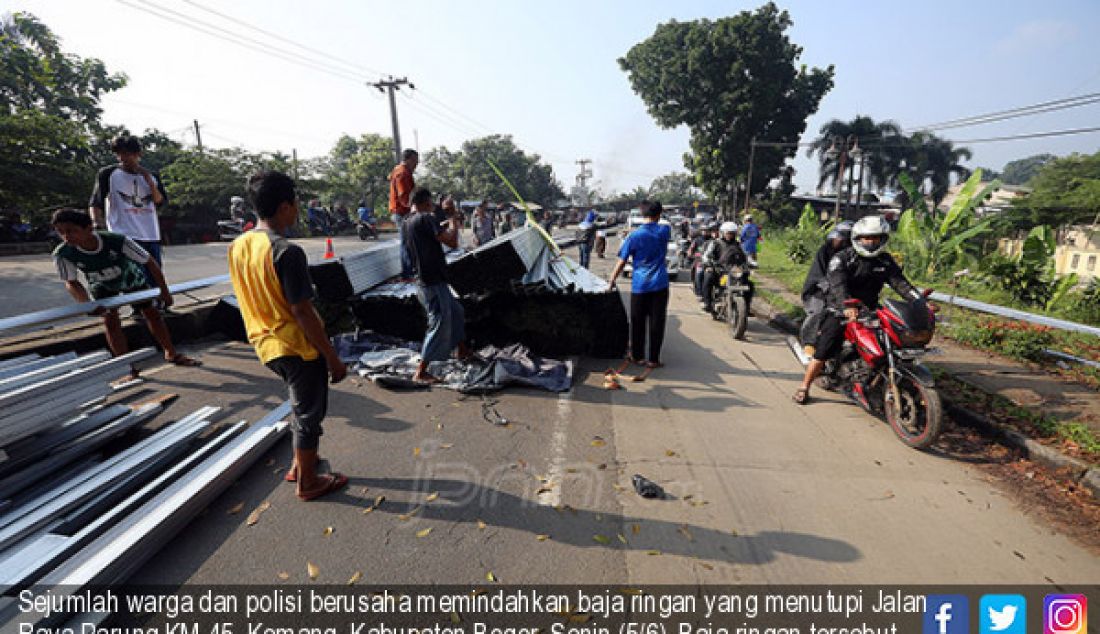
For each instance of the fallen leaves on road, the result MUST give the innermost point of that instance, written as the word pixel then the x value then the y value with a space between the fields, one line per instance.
pixel 254 516
pixel 354 578
pixel 653 553
pixel 328 531
pixel 432 498
pixel 683 530
pixel 542 538
pixel 312 569
pixel 602 539
pixel 407 516
pixel 670 453
pixel 707 566
pixel 237 508
pixel 284 575
pixel 598 442
pixel 424 533
pixel 491 577
pixel 481 525
pixel 455 618
pixel 621 538
pixel 637 528
pixel 446 445
pixel 416 451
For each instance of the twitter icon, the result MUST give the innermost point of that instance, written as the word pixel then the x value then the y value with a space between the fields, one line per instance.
pixel 1002 614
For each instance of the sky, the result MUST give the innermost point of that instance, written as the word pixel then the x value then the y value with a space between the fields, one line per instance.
pixel 546 72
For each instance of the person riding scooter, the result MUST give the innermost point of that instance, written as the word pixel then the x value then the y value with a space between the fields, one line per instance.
pixel 366 226
pixel 718 258
pixel 855 273
pixel 695 251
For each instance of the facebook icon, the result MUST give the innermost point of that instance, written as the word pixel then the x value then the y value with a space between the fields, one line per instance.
pixel 946 614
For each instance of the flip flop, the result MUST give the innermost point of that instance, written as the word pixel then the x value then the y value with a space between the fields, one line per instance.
pixel 184 361
pixel 292 473
pixel 801 396
pixel 332 482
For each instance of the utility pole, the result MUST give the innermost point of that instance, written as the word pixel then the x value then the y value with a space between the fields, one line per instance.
pixel 294 162
pixel 580 193
pixel 198 136
pixel 390 85
pixel 748 184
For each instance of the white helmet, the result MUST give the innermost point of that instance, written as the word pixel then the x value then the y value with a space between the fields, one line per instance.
pixel 870 226
pixel 728 227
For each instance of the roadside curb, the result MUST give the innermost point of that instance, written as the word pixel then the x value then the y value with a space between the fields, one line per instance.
pixel 1079 471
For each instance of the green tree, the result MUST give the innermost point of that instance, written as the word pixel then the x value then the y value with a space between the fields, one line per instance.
pixel 1064 191
pixel 356 169
pixel 49 114
pixel 881 143
pixel 932 161
pixel 467 174
pixel 728 81
pixel 675 188
pixel 1020 171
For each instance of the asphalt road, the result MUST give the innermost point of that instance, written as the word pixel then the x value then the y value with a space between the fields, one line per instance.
pixel 765 491
pixel 29 282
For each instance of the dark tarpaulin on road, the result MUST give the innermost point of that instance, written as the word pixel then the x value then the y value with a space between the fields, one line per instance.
pixel 392 363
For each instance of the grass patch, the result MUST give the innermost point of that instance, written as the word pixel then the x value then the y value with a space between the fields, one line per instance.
pixel 1075 437
pixel 777 265
pixel 792 311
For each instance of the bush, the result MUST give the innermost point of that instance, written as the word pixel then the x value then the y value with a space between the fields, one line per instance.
pixel 1011 338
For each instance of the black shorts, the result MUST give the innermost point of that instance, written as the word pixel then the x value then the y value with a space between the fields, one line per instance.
pixel 830 337
pixel 137 306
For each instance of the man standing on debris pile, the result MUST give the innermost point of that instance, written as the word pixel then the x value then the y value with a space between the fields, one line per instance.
pixel 647 248
pixel 401 187
pixel 424 237
pixel 271 280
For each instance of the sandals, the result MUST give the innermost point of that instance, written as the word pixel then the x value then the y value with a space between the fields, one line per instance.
pixel 184 361
pixel 330 482
pixel 801 396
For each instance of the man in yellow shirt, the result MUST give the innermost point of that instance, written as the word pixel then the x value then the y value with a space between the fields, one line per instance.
pixel 271 279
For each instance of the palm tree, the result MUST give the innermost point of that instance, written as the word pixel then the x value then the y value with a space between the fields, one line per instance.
pixel 881 142
pixel 933 160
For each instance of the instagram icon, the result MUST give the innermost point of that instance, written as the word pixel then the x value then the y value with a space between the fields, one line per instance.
pixel 1065 614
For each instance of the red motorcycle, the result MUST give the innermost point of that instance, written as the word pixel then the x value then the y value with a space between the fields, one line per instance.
pixel 879 367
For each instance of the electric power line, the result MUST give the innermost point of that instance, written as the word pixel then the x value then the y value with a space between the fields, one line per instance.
pixel 870 143
pixel 223 34
pixel 1023 111
pixel 282 38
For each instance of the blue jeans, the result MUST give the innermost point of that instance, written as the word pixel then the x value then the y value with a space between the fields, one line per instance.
pixel 406 259
pixel 586 253
pixel 153 248
pixel 446 321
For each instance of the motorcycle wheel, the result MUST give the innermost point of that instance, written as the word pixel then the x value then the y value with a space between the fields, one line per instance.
pixel 738 316
pixel 918 419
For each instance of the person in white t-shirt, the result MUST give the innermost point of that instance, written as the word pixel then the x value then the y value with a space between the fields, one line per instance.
pixel 126 197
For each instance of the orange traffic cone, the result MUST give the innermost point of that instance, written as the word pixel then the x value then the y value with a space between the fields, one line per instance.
pixel 329 252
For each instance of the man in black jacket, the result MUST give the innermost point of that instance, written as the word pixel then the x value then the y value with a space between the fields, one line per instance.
pixel 718 257
pixel 858 272
pixel 815 286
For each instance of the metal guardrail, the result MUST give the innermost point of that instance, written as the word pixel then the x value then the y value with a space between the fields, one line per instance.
pixel 77 310
pixel 1019 315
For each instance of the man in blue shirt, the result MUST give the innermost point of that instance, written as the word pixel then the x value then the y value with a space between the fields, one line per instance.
pixel 647 248
pixel 750 235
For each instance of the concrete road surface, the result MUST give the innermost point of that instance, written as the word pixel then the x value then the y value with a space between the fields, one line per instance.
pixel 29 282
pixel 764 490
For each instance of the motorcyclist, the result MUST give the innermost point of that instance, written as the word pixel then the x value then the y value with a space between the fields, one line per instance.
pixel 857 272
pixel 367 220
pixel 719 256
pixel 695 251
pixel 814 288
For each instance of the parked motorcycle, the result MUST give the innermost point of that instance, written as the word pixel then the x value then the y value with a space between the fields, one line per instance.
pixel 879 367
pixel 729 299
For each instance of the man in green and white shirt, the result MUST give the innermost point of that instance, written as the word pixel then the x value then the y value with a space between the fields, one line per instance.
pixel 112 264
